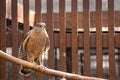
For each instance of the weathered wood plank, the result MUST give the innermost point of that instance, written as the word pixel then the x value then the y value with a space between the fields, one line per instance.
pixel 99 38
pixel 80 40
pixel 3 70
pixel 86 26
pixel 74 37
pixel 38 18
pixel 26 22
pixel 26 16
pixel 50 27
pixel 111 46
pixel 38 15
pixel 14 38
pixel 62 26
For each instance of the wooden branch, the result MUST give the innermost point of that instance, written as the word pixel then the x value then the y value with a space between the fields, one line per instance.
pixel 46 70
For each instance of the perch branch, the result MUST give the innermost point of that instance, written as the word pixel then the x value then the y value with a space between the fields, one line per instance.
pixel 46 70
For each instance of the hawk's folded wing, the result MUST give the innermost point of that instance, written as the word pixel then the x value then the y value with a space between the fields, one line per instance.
pixel 22 49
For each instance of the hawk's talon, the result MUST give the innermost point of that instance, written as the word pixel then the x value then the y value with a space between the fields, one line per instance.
pixel 42 68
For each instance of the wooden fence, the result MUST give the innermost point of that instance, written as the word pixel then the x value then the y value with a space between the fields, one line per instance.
pixel 66 30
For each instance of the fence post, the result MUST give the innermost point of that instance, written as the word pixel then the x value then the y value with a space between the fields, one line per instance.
pixel 99 38
pixel 25 21
pixel 14 37
pixel 50 27
pixel 3 38
pixel 74 37
pixel 86 26
pixel 111 45
pixel 62 26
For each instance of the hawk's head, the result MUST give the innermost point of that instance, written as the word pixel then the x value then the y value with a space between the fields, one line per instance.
pixel 39 27
pixel 41 24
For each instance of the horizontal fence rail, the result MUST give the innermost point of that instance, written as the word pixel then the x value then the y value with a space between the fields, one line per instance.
pixel 73 36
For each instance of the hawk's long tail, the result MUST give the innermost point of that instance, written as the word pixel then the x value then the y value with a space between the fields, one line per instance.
pixel 22 55
pixel 24 71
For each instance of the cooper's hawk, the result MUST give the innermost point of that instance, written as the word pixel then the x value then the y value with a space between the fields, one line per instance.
pixel 35 44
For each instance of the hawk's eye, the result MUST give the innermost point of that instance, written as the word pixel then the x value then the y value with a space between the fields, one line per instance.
pixel 40 26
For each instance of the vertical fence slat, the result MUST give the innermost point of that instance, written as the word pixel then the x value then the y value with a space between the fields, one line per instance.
pixel 26 21
pixel 38 16
pixel 74 37
pixel 0 38
pixel 86 37
pixel 99 38
pixel 50 27
pixel 111 47
pixel 26 16
pixel 62 26
pixel 0 45
pixel 3 38
pixel 14 38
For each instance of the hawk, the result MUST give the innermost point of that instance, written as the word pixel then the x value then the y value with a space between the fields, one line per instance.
pixel 34 45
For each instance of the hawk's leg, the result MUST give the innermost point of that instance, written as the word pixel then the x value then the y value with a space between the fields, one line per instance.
pixel 41 63
pixel 31 58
